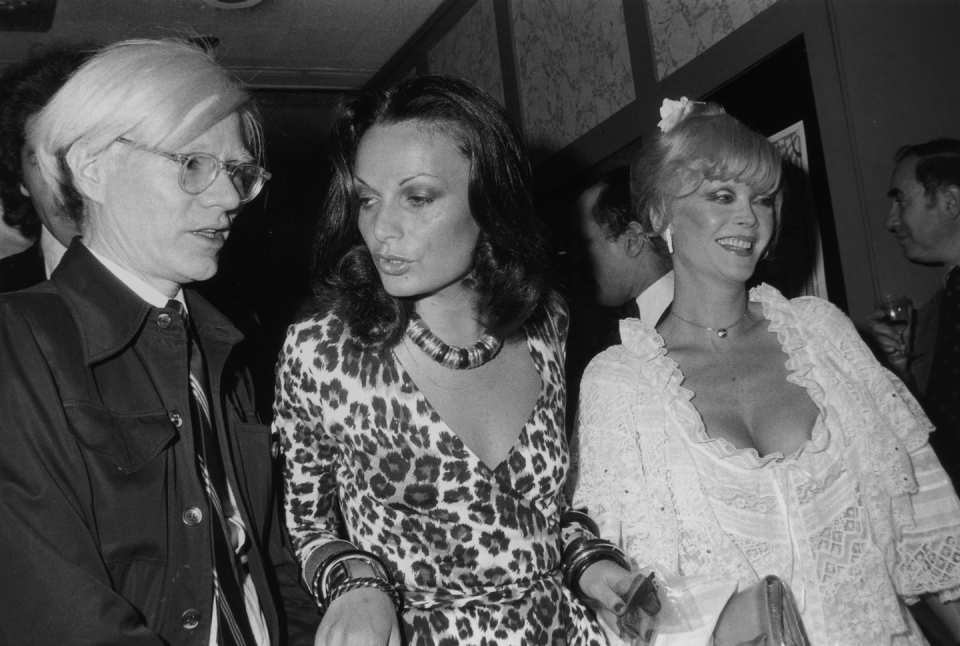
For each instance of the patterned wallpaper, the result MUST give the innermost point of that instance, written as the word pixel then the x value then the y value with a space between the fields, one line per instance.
pixel 574 67
pixel 680 30
pixel 470 50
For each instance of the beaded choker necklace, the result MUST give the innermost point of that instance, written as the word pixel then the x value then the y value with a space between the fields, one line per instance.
pixel 721 332
pixel 448 356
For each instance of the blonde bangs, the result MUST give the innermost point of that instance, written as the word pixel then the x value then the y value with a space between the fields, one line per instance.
pixel 719 148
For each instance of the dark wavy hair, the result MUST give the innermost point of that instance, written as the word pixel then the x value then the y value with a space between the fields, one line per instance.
pixel 614 211
pixel 510 268
pixel 24 90
pixel 938 164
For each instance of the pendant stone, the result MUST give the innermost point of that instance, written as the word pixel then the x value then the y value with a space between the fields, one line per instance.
pixel 722 332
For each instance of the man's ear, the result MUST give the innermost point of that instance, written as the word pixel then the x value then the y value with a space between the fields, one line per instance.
pixel 634 239
pixel 949 199
pixel 88 170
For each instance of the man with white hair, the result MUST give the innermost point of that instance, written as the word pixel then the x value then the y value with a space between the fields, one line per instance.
pixel 137 484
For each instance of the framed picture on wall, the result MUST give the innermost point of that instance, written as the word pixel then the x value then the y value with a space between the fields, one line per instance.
pixel 775 98
pixel 796 267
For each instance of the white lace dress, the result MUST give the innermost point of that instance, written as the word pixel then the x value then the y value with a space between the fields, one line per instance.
pixel 859 519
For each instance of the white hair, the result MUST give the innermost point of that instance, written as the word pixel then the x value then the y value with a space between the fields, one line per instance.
pixel 159 93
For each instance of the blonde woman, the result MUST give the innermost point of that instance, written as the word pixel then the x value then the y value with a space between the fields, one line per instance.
pixel 751 435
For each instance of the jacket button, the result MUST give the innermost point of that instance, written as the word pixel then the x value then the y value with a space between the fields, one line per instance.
pixel 176 418
pixel 192 516
pixel 190 619
pixel 163 321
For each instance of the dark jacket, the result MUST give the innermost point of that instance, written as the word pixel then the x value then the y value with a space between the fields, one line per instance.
pixel 98 470
pixel 925 342
pixel 22 270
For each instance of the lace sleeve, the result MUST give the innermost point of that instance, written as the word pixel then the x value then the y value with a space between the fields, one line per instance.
pixel 309 465
pixel 926 514
pixel 897 406
pixel 611 482
pixel 928 553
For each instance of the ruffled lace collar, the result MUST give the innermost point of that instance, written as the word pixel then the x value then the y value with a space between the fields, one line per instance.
pixel 665 376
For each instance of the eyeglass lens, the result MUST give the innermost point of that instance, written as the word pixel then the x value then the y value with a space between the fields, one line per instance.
pixel 199 171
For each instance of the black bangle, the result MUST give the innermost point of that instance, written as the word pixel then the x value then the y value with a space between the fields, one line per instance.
pixel 578 549
pixel 572 548
pixel 577 517
pixel 591 559
pixel 586 554
pixel 367 582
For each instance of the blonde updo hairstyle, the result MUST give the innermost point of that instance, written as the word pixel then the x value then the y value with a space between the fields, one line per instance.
pixel 159 93
pixel 706 144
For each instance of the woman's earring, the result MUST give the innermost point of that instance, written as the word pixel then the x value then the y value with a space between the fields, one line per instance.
pixel 667 236
pixel 23 191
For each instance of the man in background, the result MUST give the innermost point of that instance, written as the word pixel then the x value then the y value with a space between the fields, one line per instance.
pixel 632 271
pixel 27 202
pixel 925 217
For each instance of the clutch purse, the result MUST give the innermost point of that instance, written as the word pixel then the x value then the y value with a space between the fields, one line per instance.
pixel 638 620
pixel 763 615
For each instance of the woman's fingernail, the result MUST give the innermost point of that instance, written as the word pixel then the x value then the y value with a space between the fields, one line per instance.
pixel 618 608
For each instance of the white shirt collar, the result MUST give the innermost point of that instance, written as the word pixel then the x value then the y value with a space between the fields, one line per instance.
pixel 139 286
pixel 51 249
pixel 654 300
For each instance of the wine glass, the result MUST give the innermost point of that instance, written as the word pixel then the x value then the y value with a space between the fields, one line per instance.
pixel 898 314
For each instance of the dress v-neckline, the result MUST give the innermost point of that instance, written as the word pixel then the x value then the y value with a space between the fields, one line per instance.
pixel 421 396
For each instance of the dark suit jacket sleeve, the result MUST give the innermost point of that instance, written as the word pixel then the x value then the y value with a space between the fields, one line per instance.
pixel 925 342
pixel 297 609
pixel 54 588
pixel 297 612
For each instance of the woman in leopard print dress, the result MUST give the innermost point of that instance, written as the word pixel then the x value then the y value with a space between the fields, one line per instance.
pixel 449 471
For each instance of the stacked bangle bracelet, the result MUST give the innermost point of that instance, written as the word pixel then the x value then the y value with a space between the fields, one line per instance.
pixel 585 550
pixel 573 517
pixel 333 579
pixel 365 582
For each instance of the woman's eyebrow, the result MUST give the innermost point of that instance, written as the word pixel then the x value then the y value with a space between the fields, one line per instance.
pixel 412 177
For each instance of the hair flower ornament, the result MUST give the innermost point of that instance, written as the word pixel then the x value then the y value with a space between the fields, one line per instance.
pixel 673 112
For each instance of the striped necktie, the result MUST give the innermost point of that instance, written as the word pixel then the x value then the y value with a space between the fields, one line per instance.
pixel 234 625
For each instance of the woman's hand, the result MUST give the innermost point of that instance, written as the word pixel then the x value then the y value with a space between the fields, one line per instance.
pixel 605 583
pixel 361 617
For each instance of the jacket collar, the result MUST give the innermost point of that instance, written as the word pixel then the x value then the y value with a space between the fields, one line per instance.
pixel 109 315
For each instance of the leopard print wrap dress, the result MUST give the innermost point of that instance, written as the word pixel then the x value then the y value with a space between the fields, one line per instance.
pixel 475 549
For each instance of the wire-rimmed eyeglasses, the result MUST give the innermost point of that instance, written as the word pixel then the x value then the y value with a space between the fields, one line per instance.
pixel 198 171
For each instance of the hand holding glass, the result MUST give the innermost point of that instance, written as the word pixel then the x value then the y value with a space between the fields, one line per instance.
pixel 898 314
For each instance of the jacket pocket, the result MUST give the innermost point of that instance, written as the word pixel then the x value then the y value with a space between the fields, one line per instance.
pixel 128 440
pixel 134 483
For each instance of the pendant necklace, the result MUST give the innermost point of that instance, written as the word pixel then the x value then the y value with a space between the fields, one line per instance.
pixel 721 332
